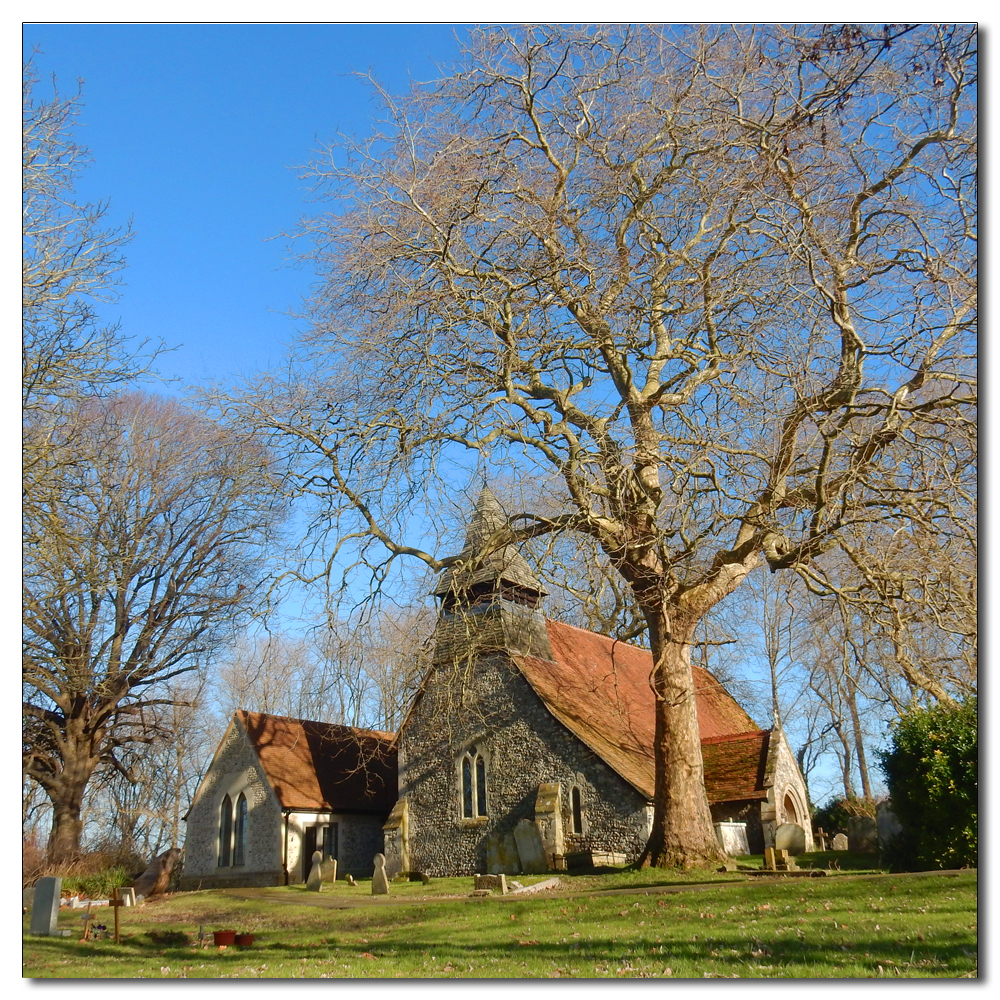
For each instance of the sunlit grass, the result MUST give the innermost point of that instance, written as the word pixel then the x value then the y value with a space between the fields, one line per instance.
pixel 897 926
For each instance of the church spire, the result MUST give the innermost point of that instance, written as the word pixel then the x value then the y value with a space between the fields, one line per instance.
pixel 502 573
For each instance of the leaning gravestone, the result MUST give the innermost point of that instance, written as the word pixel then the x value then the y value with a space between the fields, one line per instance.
pixel 315 881
pixel 790 837
pixel 839 843
pixel 330 870
pixel 45 906
pixel 380 882
pixel 529 848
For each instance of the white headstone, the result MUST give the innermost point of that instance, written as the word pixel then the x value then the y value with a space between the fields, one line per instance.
pixel 733 838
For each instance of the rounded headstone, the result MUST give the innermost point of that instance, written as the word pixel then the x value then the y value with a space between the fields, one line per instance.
pixel 790 837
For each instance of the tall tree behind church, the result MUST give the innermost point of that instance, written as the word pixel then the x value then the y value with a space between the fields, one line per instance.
pixel 713 286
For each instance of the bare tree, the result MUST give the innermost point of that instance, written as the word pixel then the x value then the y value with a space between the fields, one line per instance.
pixel 70 264
pixel 139 560
pixel 710 287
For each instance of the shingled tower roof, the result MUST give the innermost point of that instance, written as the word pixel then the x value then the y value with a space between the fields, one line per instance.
pixel 504 566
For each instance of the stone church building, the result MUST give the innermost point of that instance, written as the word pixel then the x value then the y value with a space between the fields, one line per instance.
pixel 527 748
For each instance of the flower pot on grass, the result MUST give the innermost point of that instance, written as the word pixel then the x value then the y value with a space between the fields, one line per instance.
pixel 224 937
pixel 244 940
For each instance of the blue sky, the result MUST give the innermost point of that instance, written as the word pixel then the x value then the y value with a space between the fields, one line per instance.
pixel 195 131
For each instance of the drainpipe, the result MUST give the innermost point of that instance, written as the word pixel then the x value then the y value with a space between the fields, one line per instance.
pixel 284 848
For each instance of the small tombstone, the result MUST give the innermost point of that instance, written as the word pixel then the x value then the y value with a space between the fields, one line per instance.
pixel 491 882
pixel 350 879
pixel 380 883
pixel 330 870
pixel 127 895
pixel 769 858
pixel 790 837
pixel 45 906
pixel 839 843
pixel 315 881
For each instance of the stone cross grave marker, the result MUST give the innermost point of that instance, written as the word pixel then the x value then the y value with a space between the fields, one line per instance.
pixel 315 881
pixel 45 906
pixel 380 883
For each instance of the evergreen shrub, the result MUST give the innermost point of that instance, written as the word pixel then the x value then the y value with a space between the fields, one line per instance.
pixel 932 770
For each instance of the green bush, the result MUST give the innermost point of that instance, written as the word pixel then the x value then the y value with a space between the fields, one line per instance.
pixel 98 885
pixel 932 770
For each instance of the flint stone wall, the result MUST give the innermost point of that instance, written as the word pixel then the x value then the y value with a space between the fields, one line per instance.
pixel 488 704
pixel 235 769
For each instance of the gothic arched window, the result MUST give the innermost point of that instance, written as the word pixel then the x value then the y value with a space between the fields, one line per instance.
pixel 473 784
pixel 240 838
pixel 225 831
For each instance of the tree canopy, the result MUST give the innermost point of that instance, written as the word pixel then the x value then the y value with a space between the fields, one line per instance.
pixel 713 288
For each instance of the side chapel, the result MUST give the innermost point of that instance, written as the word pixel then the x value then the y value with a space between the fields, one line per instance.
pixel 527 748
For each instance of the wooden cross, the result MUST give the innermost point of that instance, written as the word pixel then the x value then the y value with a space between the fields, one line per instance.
pixel 821 837
pixel 117 902
pixel 86 923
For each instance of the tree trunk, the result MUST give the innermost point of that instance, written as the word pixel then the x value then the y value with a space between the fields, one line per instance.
pixel 65 791
pixel 682 833
pixel 67 829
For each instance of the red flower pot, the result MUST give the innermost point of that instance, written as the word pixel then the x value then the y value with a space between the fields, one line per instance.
pixel 244 940
pixel 224 937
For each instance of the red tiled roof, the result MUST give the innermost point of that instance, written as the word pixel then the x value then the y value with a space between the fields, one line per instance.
pixel 324 767
pixel 734 766
pixel 599 689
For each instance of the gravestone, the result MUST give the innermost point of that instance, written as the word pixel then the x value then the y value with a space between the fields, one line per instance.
pixel 501 854
pixel 45 906
pixel 380 884
pixel 127 895
pixel 529 848
pixel 732 838
pixel 862 834
pixel 498 882
pixel 349 878
pixel 790 837
pixel 839 843
pixel 330 870
pixel 156 877
pixel 889 827
pixel 820 839
pixel 315 881
pixel 548 820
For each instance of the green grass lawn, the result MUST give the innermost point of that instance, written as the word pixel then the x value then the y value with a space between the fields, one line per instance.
pixel 655 924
